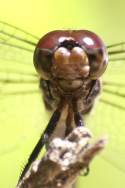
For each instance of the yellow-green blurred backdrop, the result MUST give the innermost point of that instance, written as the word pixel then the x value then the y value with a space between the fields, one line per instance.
pixel 105 17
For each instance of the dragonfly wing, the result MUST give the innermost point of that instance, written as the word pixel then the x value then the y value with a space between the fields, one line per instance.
pixel 109 115
pixel 20 99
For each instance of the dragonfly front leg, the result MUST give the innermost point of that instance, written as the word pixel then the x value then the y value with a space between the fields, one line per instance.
pixel 43 139
pixel 79 122
pixel 78 119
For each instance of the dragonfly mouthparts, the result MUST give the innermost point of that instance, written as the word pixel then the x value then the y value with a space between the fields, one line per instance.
pixel 70 85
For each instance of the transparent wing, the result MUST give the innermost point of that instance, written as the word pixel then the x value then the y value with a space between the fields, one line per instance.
pixel 20 100
pixel 21 109
pixel 109 115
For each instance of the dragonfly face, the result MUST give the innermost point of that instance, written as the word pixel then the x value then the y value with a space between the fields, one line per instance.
pixel 69 64
pixel 70 57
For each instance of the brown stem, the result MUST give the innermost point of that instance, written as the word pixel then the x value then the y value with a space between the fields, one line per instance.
pixel 63 161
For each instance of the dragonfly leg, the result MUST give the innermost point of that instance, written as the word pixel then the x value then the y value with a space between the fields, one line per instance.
pixel 43 139
pixel 69 121
pixel 79 122
pixel 78 119
pixel 86 172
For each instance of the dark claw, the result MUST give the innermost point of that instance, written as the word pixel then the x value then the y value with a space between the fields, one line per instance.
pixel 86 172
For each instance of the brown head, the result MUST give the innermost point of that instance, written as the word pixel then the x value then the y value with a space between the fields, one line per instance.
pixel 70 57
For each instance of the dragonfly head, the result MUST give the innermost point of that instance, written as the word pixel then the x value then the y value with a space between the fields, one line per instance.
pixel 70 56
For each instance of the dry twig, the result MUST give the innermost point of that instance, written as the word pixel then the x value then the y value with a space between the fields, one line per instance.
pixel 63 161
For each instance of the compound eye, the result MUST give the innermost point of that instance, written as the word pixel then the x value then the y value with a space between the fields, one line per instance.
pixel 95 50
pixel 43 62
pixel 98 59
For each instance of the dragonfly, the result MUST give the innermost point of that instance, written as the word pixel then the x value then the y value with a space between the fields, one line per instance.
pixel 70 78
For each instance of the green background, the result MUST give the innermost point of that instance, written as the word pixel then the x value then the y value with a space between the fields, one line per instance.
pixel 104 17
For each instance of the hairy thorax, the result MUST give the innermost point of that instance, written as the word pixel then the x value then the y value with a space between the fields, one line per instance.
pixel 83 95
